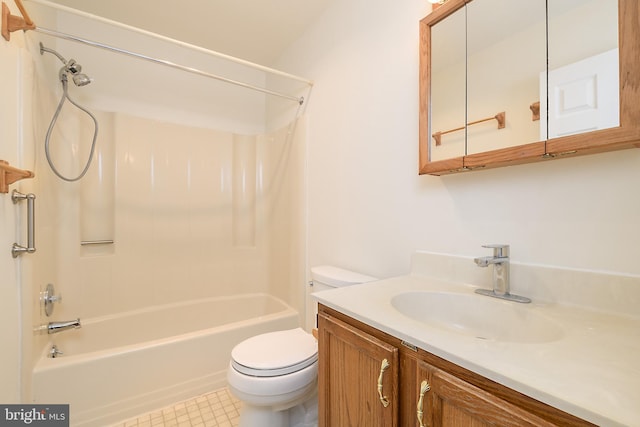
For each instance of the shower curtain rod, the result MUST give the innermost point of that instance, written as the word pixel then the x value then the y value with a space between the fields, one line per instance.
pixel 299 100
pixel 31 26
pixel 169 40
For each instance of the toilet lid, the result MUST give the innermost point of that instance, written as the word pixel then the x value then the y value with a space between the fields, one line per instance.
pixel 275 353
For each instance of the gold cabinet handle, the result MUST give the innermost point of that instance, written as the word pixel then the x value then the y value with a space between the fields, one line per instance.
pixel 424 387
pixel 383 399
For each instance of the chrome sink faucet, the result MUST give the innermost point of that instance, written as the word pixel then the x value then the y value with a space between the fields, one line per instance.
pixel 501 285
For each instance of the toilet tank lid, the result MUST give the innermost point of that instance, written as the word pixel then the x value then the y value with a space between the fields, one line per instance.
pixel 337 277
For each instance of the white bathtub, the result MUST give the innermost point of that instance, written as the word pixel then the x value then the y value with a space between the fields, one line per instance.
pixel 116 367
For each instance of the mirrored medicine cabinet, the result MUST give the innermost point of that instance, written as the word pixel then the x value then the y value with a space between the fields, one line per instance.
pixel 505 82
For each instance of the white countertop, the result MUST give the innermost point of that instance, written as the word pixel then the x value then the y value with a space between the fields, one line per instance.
pixel 592 371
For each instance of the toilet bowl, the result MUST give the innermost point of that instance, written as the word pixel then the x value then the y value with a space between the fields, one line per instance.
pixel 272 373
pixel 275 375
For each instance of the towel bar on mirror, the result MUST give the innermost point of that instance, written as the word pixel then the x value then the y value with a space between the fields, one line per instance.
pixel 500 117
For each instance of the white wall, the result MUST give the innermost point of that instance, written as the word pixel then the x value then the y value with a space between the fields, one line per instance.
pixel 17 300
pixel 369 210
pixel 10 290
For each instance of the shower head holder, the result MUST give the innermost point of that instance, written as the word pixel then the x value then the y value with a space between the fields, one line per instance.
pixel 72 66
pixel 69 67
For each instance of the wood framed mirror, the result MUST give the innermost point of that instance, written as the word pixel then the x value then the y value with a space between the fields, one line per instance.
pixel 624 133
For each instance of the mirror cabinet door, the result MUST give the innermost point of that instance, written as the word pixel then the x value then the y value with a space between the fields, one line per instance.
pixel 448 88
pixel 578 61
pixel 506 52
pixel 583 78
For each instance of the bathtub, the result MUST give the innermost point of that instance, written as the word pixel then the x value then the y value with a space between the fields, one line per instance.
pixel 116 367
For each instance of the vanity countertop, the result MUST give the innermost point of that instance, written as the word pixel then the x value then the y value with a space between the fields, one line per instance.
pixel 592 371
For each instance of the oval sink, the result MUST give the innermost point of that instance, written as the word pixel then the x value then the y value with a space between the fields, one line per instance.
pixel 478 316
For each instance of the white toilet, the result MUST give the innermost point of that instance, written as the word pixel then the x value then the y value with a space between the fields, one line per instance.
pixel 275 375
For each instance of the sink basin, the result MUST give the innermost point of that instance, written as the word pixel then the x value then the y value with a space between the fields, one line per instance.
pixel 478 316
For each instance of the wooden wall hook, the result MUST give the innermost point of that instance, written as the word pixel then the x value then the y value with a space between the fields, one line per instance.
pixel 10 174
pixel 11 23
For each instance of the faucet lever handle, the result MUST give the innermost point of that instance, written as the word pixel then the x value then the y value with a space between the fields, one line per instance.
pixel 499 250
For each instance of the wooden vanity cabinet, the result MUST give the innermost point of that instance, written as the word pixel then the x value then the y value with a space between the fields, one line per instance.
pixel 350 358
pixel 357 377
pixel 454 402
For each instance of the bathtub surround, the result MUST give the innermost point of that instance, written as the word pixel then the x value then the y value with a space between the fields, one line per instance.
pixel 177 233
pixel 244 194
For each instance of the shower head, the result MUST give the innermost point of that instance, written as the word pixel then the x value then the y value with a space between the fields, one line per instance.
pixel 73 68
pixel 70 66
pixel 81 79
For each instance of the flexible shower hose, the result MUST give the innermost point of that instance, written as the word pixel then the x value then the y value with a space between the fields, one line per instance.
pixel 65 95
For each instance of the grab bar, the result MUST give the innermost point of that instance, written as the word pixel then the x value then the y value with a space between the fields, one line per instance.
pixel 16 250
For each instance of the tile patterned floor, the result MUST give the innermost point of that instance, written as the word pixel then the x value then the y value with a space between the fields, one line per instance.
pixel 216 409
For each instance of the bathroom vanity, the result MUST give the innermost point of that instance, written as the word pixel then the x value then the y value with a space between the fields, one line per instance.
pixel 351 356
pixel 390 357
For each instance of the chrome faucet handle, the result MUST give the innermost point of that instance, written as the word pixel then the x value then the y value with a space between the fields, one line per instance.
pixel 499 250
pixel 48 298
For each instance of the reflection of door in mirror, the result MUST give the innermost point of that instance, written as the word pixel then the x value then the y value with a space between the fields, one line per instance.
pixel 583 75
pixel 506 52
pixel 448 87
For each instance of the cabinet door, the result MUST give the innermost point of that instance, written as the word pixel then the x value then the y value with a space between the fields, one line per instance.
pixel 354 388
pixel 453 402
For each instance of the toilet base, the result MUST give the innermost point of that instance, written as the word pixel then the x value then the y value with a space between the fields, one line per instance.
pixel 251 416
pixel 304 414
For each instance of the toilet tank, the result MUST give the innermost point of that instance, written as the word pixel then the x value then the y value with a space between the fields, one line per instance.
pixel 326 277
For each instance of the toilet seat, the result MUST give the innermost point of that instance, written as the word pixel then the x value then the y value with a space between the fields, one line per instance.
pixel 276 353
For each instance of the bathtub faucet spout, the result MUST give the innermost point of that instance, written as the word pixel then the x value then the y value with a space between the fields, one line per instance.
pixel 55 327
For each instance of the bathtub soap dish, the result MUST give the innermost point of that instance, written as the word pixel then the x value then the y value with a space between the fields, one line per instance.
pixel 48 297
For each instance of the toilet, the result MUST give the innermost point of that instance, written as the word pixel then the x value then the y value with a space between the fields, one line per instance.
pixel 275 375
